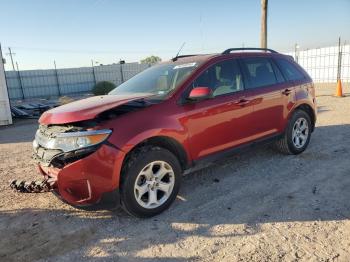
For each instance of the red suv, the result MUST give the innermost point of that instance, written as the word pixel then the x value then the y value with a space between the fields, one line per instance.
pixel 141 137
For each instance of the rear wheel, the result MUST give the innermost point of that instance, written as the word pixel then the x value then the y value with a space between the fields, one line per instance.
pixel 297 134
pixel 150 181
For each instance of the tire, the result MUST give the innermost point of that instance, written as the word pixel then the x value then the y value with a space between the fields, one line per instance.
pixel 288 144
pixel 148 171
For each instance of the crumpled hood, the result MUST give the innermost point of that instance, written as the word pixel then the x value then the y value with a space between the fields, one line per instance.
pixel 85 109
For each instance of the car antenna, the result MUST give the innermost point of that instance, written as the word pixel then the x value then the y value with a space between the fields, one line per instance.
pixel 175 58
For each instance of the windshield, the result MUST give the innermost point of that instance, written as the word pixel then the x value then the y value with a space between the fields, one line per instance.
pixel 158 80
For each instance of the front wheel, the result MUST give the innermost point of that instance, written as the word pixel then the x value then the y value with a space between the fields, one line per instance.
pixel 297 134
pixel 150 181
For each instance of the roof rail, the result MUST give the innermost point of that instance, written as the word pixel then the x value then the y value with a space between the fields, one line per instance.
pixel 227 51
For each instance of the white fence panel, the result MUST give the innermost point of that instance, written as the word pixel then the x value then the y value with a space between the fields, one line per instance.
pixel 322 63
pixel 51 82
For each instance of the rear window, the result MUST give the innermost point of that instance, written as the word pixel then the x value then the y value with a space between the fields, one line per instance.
pixel 259 72
pixel 289 70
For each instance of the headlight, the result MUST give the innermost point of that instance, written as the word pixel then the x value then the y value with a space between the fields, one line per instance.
pixel 72 140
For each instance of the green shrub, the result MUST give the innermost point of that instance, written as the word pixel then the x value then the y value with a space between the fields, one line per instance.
pixel 102 88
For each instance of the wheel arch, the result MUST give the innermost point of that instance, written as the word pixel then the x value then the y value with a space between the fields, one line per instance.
pixel 307 109
pixel 165 142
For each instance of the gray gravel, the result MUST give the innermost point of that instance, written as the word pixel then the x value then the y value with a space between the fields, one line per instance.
pixel 255 206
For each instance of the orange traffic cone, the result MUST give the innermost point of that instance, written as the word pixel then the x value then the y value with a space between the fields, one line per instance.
pixel 339 91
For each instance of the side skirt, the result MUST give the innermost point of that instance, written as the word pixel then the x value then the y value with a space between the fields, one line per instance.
pixel 210 159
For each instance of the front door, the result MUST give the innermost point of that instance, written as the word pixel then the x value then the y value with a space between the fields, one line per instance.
pixel 224 120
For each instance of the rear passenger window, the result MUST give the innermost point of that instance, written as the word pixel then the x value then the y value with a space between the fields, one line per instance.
pixel 259 72
pixel 278 74
pixel 289 70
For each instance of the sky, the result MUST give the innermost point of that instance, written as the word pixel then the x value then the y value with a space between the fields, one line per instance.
pixel 74 32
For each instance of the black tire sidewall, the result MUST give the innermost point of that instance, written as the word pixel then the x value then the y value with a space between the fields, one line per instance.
pixel 298 114
pixel 129 176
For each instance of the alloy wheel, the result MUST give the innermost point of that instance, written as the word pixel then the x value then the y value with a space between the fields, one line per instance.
pixel 300 132
pixel 154 184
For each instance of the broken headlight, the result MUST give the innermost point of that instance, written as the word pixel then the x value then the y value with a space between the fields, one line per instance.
pixel 71 141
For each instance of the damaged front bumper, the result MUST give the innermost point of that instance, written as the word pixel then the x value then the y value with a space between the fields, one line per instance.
pixel 83 176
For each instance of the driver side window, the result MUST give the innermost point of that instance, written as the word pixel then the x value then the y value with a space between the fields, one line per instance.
pixel 222 78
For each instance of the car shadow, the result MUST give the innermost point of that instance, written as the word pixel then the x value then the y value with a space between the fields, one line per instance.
pixel 230 198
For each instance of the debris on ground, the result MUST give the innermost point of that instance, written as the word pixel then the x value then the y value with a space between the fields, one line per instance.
pixel 39 186
pixel 30 110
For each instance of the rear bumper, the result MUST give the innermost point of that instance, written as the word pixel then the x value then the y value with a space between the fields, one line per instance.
pixel 86 180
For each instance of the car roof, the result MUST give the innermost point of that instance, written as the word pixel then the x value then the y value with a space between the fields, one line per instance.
pixel 190 58
pixel 200 58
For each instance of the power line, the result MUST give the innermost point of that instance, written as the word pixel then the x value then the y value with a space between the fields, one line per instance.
pixel 82 51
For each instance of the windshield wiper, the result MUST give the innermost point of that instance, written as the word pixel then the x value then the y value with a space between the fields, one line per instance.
pixel 141 102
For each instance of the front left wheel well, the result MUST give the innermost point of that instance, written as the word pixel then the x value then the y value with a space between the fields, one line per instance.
pixel 164 142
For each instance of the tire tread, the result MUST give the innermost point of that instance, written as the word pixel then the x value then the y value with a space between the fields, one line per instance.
pixel 131 161
pixel 282 144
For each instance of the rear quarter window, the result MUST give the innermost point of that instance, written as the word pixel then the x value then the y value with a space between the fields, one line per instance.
pixel 289 70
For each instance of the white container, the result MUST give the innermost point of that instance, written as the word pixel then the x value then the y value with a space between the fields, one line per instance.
pixel 5 111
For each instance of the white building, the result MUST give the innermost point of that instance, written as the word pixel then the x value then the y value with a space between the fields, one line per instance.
pixel 5 111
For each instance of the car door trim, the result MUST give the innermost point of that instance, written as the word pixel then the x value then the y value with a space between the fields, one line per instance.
pixel 234 150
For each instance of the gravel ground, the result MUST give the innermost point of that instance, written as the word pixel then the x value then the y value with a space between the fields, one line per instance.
pixel 255 206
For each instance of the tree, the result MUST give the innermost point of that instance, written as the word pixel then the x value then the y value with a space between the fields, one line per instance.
pixel 102 88
pixel 151 60
pixel 263 32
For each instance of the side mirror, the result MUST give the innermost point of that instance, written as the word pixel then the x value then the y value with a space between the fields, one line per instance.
pixel 199 93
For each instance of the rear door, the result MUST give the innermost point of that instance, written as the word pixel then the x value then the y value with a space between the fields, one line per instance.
pixel 298 80
pixel 270 92
pixel 223 121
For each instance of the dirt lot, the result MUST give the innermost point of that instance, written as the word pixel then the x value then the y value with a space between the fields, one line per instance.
pixel 255 206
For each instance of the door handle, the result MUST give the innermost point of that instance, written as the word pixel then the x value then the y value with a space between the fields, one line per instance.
pixel 286 92
pixel 242 102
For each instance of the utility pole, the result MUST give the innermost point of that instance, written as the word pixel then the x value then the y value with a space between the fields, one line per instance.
pixel 263 32
pixel 11 54
pixel 57 80
pixel 296 52
pixel 121 63
pixel 339 60
pixel 20 81
pixel 93 71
